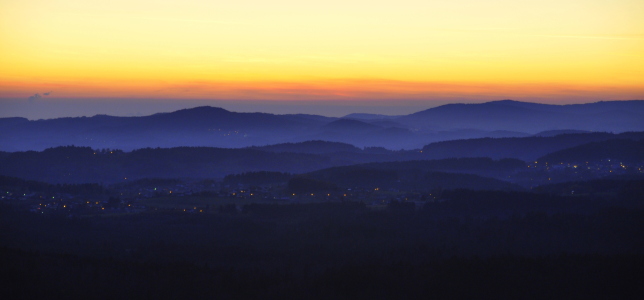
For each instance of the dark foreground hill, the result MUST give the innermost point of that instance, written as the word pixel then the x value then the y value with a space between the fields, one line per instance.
pixel 452 249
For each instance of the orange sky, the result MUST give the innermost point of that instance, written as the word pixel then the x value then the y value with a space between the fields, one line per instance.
pixel 545 51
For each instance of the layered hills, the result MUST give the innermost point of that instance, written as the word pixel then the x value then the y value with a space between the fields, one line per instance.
pixel 217 127
pixel 342 164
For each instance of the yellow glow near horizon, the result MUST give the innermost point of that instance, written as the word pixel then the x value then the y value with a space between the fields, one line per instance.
pixel 330 49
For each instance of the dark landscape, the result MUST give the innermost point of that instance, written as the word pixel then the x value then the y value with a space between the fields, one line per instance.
pixel 499 200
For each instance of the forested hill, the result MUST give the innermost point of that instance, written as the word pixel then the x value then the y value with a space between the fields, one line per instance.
pixel 620 150
pixel 423 175
pixel 409 180
pixel 527 148
pixel 22 186
pixel 314 147
pixel 82 164
pixel 452 164
pixel 72 164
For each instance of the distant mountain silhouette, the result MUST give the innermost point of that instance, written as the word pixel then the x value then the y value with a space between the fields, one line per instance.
pixel 8 122
pixel 617 116
pixel 217 127
pixel 200 126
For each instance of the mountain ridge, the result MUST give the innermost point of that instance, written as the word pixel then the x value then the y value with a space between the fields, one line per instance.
pixel 216 127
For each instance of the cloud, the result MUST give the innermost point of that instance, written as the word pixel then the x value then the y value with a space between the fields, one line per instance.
pixel 34 97
pixel 37 96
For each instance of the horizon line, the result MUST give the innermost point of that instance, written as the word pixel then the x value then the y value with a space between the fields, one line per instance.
pixel 270 107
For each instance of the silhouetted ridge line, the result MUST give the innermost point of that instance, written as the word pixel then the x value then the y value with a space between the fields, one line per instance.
pixel 216 127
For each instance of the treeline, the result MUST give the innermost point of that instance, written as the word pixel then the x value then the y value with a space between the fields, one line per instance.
pixel 367 177
pixel 18 185
pixel 314 147
pixel 256 178
pixel 456 164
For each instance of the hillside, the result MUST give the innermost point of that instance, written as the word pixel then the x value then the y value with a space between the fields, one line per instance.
pixel 423 175
pixel 620 150
pixel 527 148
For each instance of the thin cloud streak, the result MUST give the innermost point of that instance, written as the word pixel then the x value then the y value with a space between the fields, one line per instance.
pixel 34 97
pixel 512 31
pixel 632 37
pixel 190 21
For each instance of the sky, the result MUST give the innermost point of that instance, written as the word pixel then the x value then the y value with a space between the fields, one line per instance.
pixel 129 57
